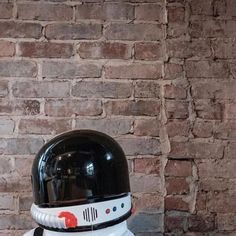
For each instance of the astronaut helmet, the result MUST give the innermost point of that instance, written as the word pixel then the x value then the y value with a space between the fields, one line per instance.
pixel 80 183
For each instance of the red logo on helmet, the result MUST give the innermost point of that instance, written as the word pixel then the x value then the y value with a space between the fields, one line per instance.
pixel 70 219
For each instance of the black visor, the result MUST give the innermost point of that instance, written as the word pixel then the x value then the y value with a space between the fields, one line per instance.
pixel 79 167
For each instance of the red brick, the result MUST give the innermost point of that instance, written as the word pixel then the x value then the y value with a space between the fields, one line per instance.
pixel 203 129
pixel 22 166
pixel 230 111
pixel 201 7
pixel 224 48
pixel 10 29
pixel 212 168
pixel 6 10
pixel 7 49
pixel 133 108
pixel 68 108
pixel 178 168
pixel 226 130
pixel 104 50
pixel 177 30
pixel 173 71
pixel 106 11
pixel 147 165
pixel 49 50
pixel 177 109
pixel 19 68
pixel 177 186
pixel 201 223
pixel 3 88
pixel 226 222
pixel 140 145
pixel 196 150
pixel 149 51
pixel 175 223
pixel 186 49
pixel 44 12
pixel 145 183
pixel 100 89
pixel 44 126
pixel 149 12
pixel 175 92
pixel 6 165
pixel 175 203
pixel 20 146
pixel 65 31
pixel 178 128
pixel 147 202
pixel 231 8
pixel 147 127
pixel 208 109
pixel 7 202
pixel 70 70
pixel 176 14
pixel 150 32
pixel 133 71
pixel 147 89
pixel 112 126
pixel 211 184
pixel 207 69
pixel 7 126
pixel 19 107
pixel 36 89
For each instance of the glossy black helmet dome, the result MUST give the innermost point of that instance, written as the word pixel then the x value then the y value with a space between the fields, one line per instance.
pixel 78 167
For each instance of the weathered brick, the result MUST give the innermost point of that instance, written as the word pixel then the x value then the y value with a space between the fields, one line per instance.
pixel 178 128
pixel 20 146
pixel 22 166
pixel 140 145
pixel 208 109
pixel 149 51
pixel 25 202
pixel 176 186
pixel 201 7
pixel 230 8
pixel 224 48
pixel 226 222
pixel 7 202
pixel 7 126
pixel 198 150
pixel 111 126
pixel 133 108
pixel 36 89
pixel 186 49
pixel 177 29
pixel 145 183
pixel 212 168
pixel 6 165
pixel 149 12
pixel 207 69
pixel 176 14
pixel 230 111
pixel 201 222
pixel 175 92
pixel 60 108
pixel 10 29
pixel 147 165
pixel 19 107
pixel 175 203
pixel 44 126
pixel 203 129
pixel 151 32
pixel 7 49
pixel 65 31
pixel 178 168
pixel 18 68
pixel 106 11
pixel 147 89
pixel 99 89
pixel 6 10
pixel 225 130
pixel 177 109
pixel 173 71
pixel 147 127
pixel 44 12
pixel 70 70
pixel 175 223
pixel 104 50
pixel 134 71
pixel 3 88
pixel 47 50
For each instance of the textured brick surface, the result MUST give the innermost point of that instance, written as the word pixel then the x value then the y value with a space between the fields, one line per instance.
pixel 158 76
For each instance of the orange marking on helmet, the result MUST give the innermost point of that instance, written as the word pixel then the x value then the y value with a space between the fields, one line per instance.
pixel 70 219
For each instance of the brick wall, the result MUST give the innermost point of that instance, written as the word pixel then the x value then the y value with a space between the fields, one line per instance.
pixel 158 75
